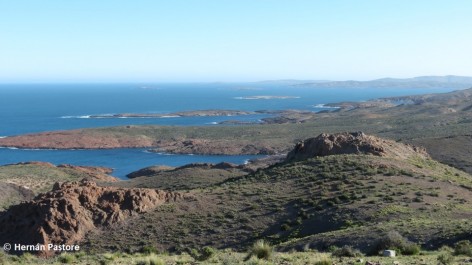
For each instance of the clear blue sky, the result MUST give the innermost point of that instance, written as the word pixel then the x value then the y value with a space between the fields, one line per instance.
pixel 237 40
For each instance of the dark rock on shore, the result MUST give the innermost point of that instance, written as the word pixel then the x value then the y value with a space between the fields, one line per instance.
pixel 222 165
pixel 154 170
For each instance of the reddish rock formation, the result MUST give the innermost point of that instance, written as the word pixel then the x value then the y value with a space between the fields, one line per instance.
pixel 351 143
pixel 65 214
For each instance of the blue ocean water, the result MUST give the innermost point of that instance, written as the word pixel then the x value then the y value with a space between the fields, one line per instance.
pixel 35 108
pixel 123 161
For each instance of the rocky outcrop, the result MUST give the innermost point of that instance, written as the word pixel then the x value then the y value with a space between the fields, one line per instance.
pixel 65 214
pixel 352 143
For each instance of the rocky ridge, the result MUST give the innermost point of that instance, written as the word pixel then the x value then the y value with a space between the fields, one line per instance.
pixel 352 143
pixel 65 214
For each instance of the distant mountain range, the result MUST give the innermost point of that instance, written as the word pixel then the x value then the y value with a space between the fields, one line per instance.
pixel 449 81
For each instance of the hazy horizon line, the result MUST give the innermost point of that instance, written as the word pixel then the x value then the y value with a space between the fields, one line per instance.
pixel 211 82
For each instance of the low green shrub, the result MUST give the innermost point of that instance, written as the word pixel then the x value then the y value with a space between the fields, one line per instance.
pixel 346 251
pixel 153 260
pixel 27 257
pixel 150 260
pixel 445 258
pixel 149 250
pixel 205 254
pixel 260 249
pixel 410 249
pixel 80 254
pixel 463 247
pixel 325 261
pixel 285 227
pixel 67 258
pixel 393 240
pixel 446 249
pixel 110 256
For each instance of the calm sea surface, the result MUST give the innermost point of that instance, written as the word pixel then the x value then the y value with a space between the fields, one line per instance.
pixel 42 107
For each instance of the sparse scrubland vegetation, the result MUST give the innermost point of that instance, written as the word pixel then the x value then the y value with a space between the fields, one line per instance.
pixel 348 207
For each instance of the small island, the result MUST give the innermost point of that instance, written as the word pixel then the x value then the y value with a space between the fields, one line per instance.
pixel 195 113
pixel 267 97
